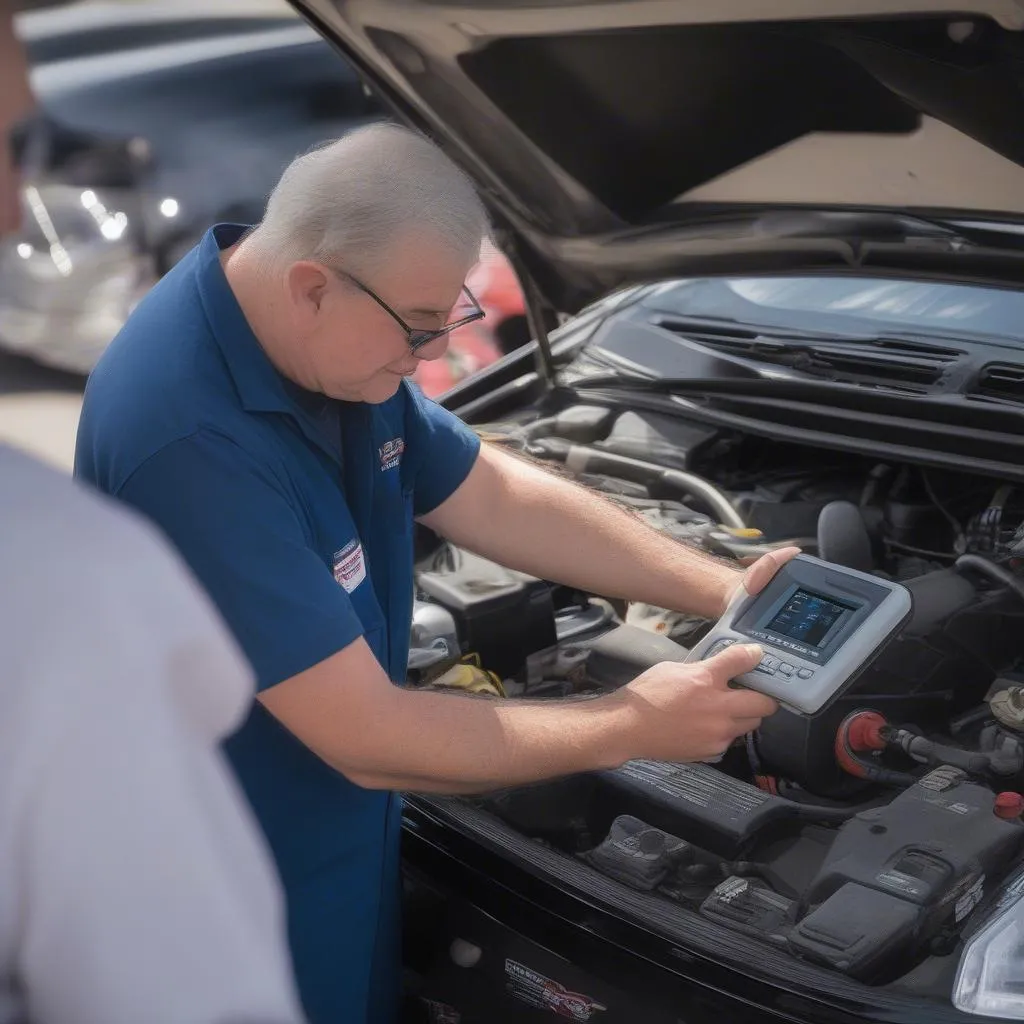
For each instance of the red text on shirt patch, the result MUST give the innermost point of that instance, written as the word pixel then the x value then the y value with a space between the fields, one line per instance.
pixel 391 453
pixel 349 566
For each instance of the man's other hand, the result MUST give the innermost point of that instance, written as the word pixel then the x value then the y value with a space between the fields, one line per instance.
pixel 760 574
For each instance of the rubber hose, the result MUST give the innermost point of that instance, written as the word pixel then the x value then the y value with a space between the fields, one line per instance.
pixel 826 815
pixel 581 459
pixel 851 763
pixel 994 572
pixel 788 791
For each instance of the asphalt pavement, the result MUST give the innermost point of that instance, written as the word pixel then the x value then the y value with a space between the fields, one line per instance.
pixel 39 409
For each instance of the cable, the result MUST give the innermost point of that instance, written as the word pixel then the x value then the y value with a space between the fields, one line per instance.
pixel 909 549
pixel 996 573
pixel 869 727
pixel 958 530
pixel 965 721
pixel 581 458
pixel 827 815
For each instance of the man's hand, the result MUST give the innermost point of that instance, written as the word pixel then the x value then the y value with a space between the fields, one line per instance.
pixel 760 574
pixel 688 712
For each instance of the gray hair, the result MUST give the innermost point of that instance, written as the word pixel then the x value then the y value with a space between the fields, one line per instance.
pixel 344 203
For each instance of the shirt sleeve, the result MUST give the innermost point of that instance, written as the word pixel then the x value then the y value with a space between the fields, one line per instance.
pixel 241 534
pixel 145 888
pixel 446 449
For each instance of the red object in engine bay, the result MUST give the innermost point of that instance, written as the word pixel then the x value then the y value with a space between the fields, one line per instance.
pixel 864 731
pixel 1008 804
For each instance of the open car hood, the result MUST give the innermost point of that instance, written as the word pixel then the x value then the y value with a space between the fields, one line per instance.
pixel 618 141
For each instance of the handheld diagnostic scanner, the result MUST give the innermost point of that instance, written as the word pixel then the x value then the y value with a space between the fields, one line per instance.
pixel 820 626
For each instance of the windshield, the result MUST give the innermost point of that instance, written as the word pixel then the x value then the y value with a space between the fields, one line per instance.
pixel 857 305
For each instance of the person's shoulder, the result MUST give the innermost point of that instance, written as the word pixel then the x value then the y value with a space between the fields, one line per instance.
pixel 161 380
pixel 411 402
pixel 81 544
pixel 425 415
pixel 55 521
pixel 91 583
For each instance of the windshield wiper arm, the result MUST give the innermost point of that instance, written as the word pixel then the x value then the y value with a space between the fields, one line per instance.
pixel 701 387
pixel 868 359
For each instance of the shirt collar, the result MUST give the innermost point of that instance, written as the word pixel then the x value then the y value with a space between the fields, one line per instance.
pixel 259 385
pixel 261 388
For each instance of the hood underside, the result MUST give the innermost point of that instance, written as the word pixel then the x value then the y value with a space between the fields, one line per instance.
pixel 625 140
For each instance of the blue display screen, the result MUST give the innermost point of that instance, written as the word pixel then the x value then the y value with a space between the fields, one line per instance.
pixel 808 617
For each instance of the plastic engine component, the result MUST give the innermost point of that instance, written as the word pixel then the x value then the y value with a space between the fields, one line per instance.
pixel 709 809
pixel 620 655
pixel 637 854
pixel 933 850
pixel 857 931
pixel 501 615
pixel 749 907
pixel 666 440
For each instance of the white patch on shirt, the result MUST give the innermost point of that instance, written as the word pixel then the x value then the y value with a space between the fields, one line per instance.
pixel 350 566
pixel 391 453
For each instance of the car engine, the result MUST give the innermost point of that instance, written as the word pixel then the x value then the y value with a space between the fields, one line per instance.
pixel 863 838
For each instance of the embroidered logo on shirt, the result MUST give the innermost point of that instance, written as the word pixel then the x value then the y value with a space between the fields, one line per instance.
pixel 350 566
pixel 391 453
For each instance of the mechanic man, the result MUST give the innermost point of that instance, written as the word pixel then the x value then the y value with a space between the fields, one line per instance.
pixel 134 882
pixel 255 407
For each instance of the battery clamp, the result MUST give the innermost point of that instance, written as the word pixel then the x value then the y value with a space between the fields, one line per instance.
pixel 819 624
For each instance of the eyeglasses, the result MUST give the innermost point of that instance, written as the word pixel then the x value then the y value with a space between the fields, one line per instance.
pixel 416 337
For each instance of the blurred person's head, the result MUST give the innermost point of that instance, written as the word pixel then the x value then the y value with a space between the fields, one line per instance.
pixel 360 259
pixel 16 101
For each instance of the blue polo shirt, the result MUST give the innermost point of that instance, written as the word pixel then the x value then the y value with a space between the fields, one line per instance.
pixel 296 513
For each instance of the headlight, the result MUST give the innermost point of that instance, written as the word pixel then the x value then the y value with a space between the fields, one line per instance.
pixel 62 226
pixel 70 276
pixel 990 978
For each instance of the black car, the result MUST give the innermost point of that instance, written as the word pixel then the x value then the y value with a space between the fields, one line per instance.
pixel 157 120
pixel 774 272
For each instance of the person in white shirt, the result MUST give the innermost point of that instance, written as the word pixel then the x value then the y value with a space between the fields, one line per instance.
pixel 134 886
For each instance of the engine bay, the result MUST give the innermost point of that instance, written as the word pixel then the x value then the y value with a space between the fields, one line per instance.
pixel 864 839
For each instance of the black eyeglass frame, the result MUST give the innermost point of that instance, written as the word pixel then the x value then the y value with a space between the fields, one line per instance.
pixel 416 337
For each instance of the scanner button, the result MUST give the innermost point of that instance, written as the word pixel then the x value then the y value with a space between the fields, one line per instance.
pixel 718 646
pixel 786 669
pixel 805 673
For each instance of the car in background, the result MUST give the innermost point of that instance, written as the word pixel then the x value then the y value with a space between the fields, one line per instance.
pixel 157 121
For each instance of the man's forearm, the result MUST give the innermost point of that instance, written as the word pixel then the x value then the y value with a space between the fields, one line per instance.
pixel 450 743
pixel 386 737
pixel 381 736
pixel 530 520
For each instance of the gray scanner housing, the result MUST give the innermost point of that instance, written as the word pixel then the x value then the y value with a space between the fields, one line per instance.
pixel 819 624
